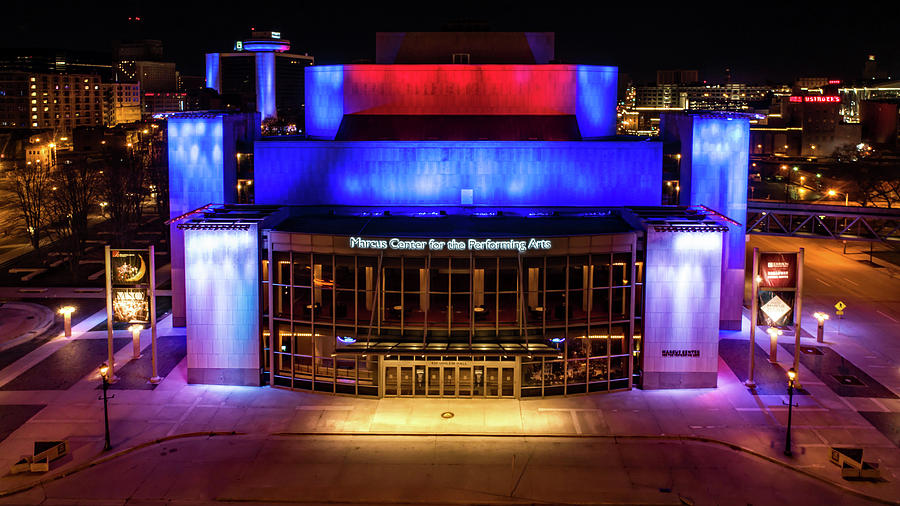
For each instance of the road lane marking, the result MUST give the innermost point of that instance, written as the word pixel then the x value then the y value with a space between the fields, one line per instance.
pixel 820 280
pixel 886 316
pixel 852 282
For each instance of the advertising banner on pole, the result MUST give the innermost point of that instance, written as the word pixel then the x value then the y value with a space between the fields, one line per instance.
pixel 129 293
pixel 777 287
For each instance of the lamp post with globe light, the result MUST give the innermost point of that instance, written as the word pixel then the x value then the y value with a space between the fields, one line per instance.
pixel 104 375
pixel 792 375
pixel 67 311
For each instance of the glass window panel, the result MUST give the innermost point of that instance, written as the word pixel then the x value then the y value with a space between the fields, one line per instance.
pixel 265 299
pixel 488 266
pixel 283 337
pixel 600 271
pixel 553 373
pixel 621 269
pixel 323 270
pixel 578 306
pixel 579 272
pixel 265 267
pixel 343 272
pixel 303 340
pixel 556 307
pixel 346 368
pixel 600 305
pixel 439 276
pixel 282 307
pixel 343 309
pixel 365 273
pixel 576 371
pixel 509 274
pixel 364 303
pixel 282 261
pixel 460 303
pixel 459 278
pixel 303 367
pixel 508 313
pixel 577 347
pixel 531 374
pixel 303 306
pixel 621 303
pixel 597 369
pixel 618 339
pixel 367 368
pixel 302 270
pixel 486 313
pixel 324 304
pixel 556 273
pixel 618 368
pixel 393 308
pixel 414 278
pixel 324 367
pixel 392 274
pixel 599 339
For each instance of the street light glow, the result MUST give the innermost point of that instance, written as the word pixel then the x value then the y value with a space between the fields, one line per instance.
pixel 66 310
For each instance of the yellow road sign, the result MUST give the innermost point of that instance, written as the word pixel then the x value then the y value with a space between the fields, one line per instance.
pixel 840 306
pixel 839 313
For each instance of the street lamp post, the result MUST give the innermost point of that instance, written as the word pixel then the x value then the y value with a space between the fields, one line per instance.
pixel 820 330
pixel 792 374
pixel 67 311
pixel 104 374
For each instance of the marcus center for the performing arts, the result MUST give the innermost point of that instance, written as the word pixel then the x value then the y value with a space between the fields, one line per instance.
pixel 457 230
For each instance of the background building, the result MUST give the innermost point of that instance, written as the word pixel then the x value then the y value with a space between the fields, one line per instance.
pixel 264 74
pixel 57 101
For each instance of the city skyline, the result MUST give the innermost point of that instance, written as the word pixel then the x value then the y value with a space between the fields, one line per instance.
pixel 773 43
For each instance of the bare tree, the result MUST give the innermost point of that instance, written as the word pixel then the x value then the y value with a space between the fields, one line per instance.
pixel 76 186
pixel 31 183
pixel 123 189
pixel 158 173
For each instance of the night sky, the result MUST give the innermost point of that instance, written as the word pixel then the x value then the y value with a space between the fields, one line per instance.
pixel 760 42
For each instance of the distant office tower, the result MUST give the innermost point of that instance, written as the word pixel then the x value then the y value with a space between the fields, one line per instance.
pixel 264 74
pixel 58 101
pixel 142 61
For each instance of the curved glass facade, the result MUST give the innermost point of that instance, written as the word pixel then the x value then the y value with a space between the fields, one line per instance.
pixel 368 324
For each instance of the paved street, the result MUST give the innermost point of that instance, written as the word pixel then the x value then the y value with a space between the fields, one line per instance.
pixel 297 446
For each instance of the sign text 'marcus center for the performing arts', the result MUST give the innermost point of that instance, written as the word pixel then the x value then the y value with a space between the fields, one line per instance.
pixel 452 244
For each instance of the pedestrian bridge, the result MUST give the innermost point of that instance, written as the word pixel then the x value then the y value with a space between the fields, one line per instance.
pixel 848 223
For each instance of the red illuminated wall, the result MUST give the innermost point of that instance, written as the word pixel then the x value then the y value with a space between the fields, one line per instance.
pixel 459 89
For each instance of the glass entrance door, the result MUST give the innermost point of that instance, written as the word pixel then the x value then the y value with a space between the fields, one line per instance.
pixel 449 381
pixel 465 381
pixel 434 381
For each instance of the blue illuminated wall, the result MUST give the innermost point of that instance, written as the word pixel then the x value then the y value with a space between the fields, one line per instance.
pixel 435 172
pixel 212 71
pixel 324 90
pixel 588 92
pixel 202 170
pixel 715 156
pixel 681 309
pixel 265 84
pixel 222 289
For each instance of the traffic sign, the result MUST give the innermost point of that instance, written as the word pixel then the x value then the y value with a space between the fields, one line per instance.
pixel 840 306
pixel 840 313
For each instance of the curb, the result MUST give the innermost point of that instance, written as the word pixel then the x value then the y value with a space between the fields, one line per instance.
pixel 645 437
pixel 49 319
pixel 100 459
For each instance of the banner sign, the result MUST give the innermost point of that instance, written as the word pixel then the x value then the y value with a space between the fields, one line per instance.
pixel 776 308
pixel 778 270
pixel 129 267
pixel 131 305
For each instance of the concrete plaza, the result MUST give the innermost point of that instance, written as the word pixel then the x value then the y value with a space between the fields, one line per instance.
pixel 709 446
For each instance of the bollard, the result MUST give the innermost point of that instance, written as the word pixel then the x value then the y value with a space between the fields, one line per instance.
pixel 67 311
pixel 773 343
pixel 136 340
pixel 820 330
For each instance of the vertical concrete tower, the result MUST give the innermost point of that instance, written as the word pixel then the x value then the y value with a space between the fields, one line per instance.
pixel 714 171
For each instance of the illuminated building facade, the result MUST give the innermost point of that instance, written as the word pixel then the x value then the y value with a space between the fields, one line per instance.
pixel 58 101
pixel 263 72
pixel 454 230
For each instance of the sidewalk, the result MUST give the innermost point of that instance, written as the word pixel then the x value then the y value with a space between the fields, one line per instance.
pixel 729 413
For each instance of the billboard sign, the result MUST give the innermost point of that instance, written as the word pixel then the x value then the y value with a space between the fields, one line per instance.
pixel 778 270
pixel 131 305
pixel 129 267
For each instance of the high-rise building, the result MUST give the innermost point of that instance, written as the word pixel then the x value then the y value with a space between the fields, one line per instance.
pixel 265 75
pixel 121 103
pixel 142 62
pixel 58 101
